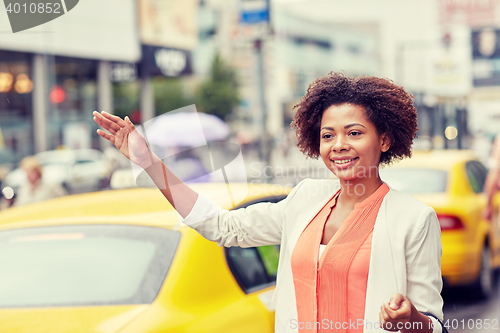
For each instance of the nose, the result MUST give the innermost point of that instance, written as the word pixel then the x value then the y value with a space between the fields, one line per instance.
pixel 340 144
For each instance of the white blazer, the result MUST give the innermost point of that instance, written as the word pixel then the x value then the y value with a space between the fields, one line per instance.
pixel 405 254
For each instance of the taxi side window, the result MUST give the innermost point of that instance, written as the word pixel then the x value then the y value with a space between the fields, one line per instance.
pixel 248 268
pixel 476 173
pixel 254 268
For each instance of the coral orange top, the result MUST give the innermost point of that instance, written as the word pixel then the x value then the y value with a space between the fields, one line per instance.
pixel 331 291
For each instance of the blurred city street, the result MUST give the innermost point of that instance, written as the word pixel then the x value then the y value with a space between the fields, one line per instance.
pixel 212 87
pixel 462 308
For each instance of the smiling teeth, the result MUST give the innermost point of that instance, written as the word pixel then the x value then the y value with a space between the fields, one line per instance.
pixel 343 161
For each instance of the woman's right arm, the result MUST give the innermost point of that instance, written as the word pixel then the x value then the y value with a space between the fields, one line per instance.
pixel 122 134
pixel 258 224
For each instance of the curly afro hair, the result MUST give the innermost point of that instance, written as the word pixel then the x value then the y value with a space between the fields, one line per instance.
pixel 388 106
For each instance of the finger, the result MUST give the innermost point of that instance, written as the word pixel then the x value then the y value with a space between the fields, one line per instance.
pixel 388 321
pixel 103 122
pixel 383 313
pixel 129 123
pixel 107 136
pixel 107 124
pixel 396 300
pixel 115 119
pixel 98 115
pixel 384 323
pixel 391 314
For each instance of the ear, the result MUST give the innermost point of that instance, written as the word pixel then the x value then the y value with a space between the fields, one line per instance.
pixel 385 142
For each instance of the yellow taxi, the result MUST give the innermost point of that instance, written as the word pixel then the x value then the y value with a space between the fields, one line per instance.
pixel 452 181
pixel 119 261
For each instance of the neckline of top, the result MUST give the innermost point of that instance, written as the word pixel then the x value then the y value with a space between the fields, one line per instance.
pixel 380 191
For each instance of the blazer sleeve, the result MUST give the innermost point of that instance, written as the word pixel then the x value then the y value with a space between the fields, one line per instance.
pixel 424 266
pixel 256 225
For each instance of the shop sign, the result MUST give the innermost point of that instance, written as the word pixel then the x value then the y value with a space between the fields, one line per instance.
pixel 486 57
pixel 165 61
pixel 475 13
pixel 123 72
pixel 168 23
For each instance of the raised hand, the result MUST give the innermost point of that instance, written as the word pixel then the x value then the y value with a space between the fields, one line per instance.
pixel 126 138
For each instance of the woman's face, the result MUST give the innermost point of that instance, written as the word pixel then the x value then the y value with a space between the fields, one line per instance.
pixel 349 143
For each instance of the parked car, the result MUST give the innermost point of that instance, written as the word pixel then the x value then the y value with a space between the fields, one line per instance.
pixel 81 170
pixel 452 181
pixel 118 261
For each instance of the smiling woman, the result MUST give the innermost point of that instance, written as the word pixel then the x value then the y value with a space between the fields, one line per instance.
pixel 355 125
pixel 380 262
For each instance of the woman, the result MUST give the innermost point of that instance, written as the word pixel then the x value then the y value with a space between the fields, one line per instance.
pixel 356 256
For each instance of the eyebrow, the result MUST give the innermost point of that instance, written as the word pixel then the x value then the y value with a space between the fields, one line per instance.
pixel 345 127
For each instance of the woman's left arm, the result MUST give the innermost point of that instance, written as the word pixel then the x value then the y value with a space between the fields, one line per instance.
pixel 424 281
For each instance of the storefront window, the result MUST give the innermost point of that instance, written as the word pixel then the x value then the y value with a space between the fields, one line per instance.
pixel 72 99
pixel 15 103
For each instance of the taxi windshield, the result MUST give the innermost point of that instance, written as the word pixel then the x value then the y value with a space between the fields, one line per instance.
pixel 84 265
pixel 414 180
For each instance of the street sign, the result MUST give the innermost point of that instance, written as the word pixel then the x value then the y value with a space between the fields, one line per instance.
pixel 254 11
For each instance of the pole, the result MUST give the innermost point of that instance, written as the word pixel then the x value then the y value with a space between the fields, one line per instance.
pixel 104 94
pixel 265 149
pixel 147 98
pixel 40 102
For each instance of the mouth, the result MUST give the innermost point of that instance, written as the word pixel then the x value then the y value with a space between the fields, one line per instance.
pixel 345 163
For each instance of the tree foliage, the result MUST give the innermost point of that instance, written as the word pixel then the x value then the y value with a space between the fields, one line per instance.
pixel 219 93
pixel 169 94
pixel 125 98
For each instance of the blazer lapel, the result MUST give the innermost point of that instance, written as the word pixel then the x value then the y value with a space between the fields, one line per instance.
pixel 305 218
pixel 384 274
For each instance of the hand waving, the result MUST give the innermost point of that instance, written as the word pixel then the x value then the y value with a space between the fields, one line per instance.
pixel 126 138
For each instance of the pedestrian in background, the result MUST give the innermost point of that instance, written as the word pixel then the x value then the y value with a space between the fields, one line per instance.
pixel 491 185
pixel 34 188
pixel 353 250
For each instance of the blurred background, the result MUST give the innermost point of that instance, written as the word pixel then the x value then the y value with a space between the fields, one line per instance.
pixel 247 62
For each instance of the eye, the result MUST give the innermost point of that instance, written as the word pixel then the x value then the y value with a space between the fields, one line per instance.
pixel 354 133
pixel 326 136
